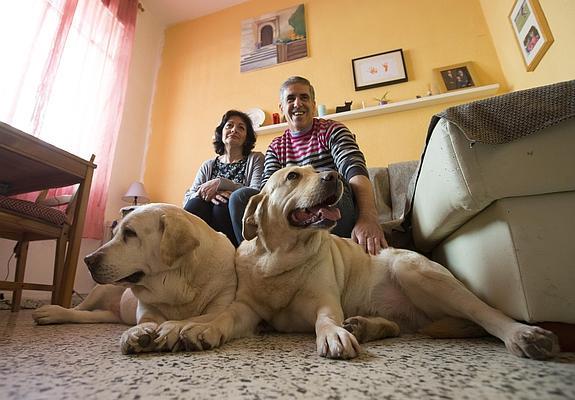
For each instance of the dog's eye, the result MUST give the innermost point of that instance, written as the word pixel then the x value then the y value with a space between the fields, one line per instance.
pixel 292 175
pixel 128 233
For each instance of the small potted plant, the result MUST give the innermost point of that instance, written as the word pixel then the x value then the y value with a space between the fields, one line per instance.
pixel 383 99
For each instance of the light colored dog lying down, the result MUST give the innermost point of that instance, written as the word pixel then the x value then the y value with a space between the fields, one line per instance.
pixel 162 266
pixel 298 277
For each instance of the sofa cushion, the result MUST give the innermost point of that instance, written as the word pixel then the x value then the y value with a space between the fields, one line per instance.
pixel 458 180
pixel 517 255
pixel 391 186
pixel 379 177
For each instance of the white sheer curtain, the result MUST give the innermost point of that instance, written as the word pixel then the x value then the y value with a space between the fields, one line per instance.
pixel 63 77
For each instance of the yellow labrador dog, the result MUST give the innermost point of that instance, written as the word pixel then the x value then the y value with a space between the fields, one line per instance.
pixel 299 278
pixel 163 265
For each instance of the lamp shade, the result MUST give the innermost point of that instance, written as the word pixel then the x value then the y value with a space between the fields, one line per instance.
pixel 136 193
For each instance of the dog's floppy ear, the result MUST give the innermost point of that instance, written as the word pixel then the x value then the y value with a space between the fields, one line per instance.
pixel 177 237
pixel 249 223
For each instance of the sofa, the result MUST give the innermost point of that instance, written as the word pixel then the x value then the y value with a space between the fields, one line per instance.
pixel 493 199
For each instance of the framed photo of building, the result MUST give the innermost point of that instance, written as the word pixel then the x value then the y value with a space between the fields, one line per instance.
pixel 273 38
pixel 531 31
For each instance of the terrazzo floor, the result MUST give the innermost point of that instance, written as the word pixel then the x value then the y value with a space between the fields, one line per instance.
pixel 84 362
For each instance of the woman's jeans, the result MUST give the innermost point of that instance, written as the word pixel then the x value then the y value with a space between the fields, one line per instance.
pixel 216 216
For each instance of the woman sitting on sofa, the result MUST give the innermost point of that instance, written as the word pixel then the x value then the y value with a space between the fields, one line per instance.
pixel 235 166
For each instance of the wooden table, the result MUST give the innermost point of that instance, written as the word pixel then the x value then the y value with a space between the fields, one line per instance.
pixel 29 164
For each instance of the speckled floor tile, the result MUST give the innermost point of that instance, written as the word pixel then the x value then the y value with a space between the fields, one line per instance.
pixel 84 362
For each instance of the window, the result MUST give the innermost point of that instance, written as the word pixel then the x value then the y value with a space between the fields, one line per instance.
pixel 63 78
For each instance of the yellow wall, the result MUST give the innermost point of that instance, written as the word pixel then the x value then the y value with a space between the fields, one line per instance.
pixel 557 65
pixel 199 78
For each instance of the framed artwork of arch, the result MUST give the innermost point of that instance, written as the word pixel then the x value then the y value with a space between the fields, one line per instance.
pixel 273 38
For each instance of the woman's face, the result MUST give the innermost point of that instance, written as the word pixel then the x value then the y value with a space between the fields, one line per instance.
pixel 234 132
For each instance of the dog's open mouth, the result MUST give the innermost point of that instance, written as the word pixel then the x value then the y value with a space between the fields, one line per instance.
pixel 133 278
pixel 323 215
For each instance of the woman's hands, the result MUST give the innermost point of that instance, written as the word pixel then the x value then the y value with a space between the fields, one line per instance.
pixel 208 191
pixel 221 197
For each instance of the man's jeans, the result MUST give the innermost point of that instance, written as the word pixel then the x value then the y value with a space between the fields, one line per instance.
pixel 240 198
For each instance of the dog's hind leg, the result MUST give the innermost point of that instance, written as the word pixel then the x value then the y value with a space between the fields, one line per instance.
pixel 53 314
pixel 102 297
pixel 366 329
pixel 435 291
pixel 100 306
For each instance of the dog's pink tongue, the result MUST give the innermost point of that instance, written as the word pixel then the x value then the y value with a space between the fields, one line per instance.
pixel 331 213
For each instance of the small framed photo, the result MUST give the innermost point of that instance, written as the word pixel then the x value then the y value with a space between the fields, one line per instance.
pixel 379 70
pixel 531 31
pixel 455 77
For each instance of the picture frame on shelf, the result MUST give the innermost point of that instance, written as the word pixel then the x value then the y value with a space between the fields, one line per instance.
pixel 531 31
pixel 455 77
pixel 380 69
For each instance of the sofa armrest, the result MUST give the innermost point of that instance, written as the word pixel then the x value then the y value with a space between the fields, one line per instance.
pixel 458 180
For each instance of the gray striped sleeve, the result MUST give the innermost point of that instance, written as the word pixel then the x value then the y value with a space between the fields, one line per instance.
pixel 347 156
pixel 271 165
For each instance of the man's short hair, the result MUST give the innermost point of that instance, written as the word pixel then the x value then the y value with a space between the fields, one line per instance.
pixel 293 80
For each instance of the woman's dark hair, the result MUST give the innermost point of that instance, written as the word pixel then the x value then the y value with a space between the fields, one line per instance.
pixel 250 133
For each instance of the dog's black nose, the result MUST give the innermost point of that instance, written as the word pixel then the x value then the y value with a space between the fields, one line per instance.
pixel 328 176
pixel 92 260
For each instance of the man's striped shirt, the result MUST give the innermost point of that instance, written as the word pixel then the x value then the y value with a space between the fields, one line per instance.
pixel 328 144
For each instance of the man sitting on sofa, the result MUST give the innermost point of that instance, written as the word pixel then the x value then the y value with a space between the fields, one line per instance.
pixel 320 143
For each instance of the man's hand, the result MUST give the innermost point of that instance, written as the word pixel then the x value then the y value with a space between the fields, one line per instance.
pixel 368 233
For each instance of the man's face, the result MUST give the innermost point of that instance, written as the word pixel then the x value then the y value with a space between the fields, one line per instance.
pixel 298 107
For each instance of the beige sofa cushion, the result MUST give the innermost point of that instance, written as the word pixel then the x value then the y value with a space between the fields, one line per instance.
pixel 518 256
pixel 458 180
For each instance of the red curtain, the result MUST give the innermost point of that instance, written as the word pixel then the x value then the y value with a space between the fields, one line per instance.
pixel 63 79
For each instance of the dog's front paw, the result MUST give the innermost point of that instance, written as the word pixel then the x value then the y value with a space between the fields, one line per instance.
pixel 168 336
pixel 196 336
pixel 139 338
pixel 50 314
pixel 338 343
pixel 533 342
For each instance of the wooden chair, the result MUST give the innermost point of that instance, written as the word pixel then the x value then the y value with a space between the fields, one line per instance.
pixel 26 221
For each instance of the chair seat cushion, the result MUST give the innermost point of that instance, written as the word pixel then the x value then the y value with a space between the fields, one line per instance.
pixel 24 207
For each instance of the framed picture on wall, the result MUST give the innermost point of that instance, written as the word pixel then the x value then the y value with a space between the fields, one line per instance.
pixel 531 31
pixel 455 77
pixel 273 38
pixel 379 70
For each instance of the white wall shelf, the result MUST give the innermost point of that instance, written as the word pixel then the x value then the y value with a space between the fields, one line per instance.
pixel 459 95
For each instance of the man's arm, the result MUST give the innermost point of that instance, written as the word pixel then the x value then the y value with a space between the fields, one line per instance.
pixel 367 231
pixel 271 165
pixel 350 162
